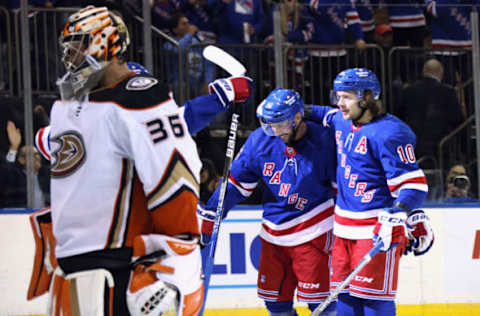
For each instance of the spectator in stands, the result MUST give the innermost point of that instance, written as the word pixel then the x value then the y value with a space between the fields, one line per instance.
pixel 199 71
pixel 323 22
pixel 458 185
pixel 290 11
pixel 407 21
pixel 239 20
pixel 384 36
pixel 451 26
pixel 384 39
pixel 365 13
pixel 201 14
pixel 162 11
pixel 13 174
pixel 451 29
pixel 432 111
pixel 209 180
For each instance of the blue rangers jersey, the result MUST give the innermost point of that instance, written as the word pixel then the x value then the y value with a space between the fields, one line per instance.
pixel 451 26
pixel 376 168
pixel 404 14
pixel 324 21
pixel 298 199
pixel 365 12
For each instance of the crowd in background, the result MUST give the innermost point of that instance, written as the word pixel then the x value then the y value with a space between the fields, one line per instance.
pixel 432 108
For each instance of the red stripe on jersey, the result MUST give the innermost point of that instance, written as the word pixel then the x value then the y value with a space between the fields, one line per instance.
pixel 236 183
pixel 451 46
pixel 355 221
pixel 421 180
pixel 397 20
pixel 41 145
pixel 312 221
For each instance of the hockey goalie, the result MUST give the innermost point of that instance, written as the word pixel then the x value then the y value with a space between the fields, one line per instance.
pixel 121 235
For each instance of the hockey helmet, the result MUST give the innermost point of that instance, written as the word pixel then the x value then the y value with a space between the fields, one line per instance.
pixel 90 40
pixel 137 68
pixel 358 80
pixel 277 112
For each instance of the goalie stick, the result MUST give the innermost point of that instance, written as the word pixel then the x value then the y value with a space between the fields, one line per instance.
pixel 366 259
pixel 226 61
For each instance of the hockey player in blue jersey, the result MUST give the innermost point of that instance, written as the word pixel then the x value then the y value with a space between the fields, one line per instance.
pixel 380 187
pixel 295 159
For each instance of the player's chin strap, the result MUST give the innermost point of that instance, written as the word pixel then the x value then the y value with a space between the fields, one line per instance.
pixel 363 108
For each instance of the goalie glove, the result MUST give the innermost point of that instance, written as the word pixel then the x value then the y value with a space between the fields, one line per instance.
pixel 390 229
pixel 166 277
pixel 232 90
pixel 206 219
pixel 420 232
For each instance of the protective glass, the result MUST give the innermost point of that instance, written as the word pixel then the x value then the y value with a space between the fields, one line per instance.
pixel 278 128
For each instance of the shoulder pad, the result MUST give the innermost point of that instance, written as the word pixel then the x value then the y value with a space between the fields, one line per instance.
pixel 137 92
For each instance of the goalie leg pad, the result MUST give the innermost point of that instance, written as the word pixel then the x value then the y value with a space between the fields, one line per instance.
pixel 81 293
pixel 44 262
pixel 166 277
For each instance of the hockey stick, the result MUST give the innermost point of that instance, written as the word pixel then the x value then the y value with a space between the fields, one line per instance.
pixel 366 259
pixel 234 68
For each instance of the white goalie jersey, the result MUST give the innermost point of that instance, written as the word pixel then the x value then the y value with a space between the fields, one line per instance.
pixel 122 164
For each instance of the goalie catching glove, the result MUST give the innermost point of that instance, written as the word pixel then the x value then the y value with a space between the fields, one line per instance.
pixel 421 234
pixel 390 229
pixel 166 277
pixel 232 90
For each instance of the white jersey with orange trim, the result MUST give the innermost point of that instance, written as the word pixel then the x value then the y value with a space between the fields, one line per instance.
pixel 123 164
pixel 376 168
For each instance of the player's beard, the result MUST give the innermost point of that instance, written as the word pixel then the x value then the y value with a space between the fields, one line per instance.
pixel 292 138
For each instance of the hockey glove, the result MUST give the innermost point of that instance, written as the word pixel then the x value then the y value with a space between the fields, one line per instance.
pixel 390 229
pixel 206 219
pixel 420 232
pixel 231 90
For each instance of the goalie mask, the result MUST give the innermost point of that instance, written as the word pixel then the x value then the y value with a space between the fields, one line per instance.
pixel 92 38
pixel 167 277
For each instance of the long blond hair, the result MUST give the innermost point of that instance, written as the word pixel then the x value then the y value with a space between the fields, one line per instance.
pixel 284 16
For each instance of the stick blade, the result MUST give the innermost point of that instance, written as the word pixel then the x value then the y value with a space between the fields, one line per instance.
pixel 224 60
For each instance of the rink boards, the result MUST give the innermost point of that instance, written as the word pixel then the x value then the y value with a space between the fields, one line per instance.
pixel 446 281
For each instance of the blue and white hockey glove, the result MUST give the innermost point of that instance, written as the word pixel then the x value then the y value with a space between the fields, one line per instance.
pixel 232 90
pixel 420 232
pixel 390 229
pixel 206 219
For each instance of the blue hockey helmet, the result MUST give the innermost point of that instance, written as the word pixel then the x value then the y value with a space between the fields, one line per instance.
pixel 137 68
pixel 277 112
pixel 358 80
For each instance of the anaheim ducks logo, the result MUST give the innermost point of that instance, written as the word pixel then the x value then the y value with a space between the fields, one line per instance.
pixel 70 154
